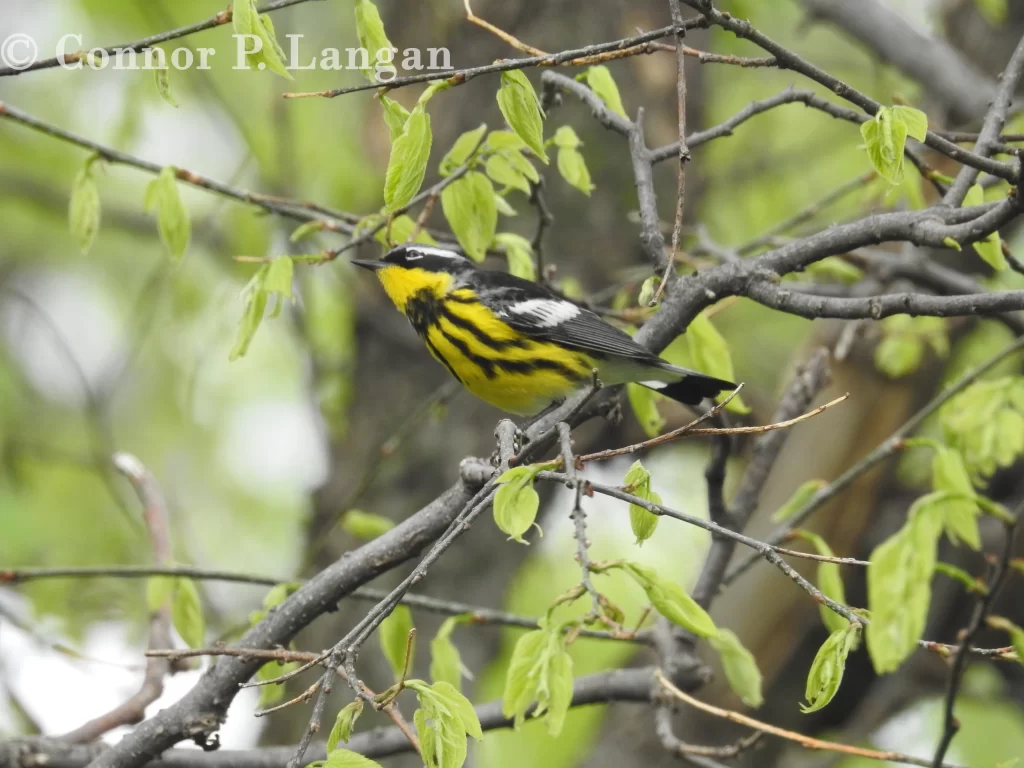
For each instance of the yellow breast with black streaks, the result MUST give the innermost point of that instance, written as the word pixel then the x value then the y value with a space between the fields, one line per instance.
pixel 494 361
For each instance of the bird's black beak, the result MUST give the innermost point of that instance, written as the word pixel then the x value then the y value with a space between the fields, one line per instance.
pixel 371 264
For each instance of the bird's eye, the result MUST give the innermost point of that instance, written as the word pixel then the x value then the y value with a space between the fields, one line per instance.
pixel 412 256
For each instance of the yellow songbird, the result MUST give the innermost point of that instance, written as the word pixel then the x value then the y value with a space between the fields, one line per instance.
pixel 513 343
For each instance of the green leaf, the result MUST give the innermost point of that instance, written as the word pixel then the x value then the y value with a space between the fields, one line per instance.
pixel 343 758
pixel 84 208
pixel 740 667
pixel 444 720
pixel 502 206
pixel 470 208
pixel 242 17
pixel 915 121
pixel 1016 634
pixel 365 525
pixel 960 518
pixel 246 21
pixel 521 109
pixel 566 138
pixel 573 168
pixel 408 163
pixel 516 502
pixel 644 401
pixel 270 54
pixel 172 216
pixel 835 269
pixel 187 613
pixel 899 356
pixel 279 593
pixel 502 141
pixel 162 76
pixel 899 586
pixel 600 81
pixel 990 247
pixel 343 724
pixel 305 230
pixel 648 289
pixel 642 521
pixel 370 30
pixel 560 691
pixel 884 139
pixel 902 348
pixel 445 661
pixel 461 707
pixel 959 574
pixel 994 11
pixel 519 684
pixel 521 165
pixel 395 115
pixel 801 496
pixel 400 230
pixel 671 601
pixel 279 277
pixel 540 670
pixel 394 639
pixel 830 582
pixel 828 666
pixel 158 591
pixel 464 147
pixel 985 423
pixel 707 352
pixel 254 298
pixel 500 169
pixel 949 242
pixel 519 253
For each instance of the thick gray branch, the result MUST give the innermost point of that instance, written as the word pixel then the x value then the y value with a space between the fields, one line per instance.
pixel 934 63
pixel 637 685
pixel 877 307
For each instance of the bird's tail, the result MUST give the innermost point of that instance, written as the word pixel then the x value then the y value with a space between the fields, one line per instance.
pixel 688 387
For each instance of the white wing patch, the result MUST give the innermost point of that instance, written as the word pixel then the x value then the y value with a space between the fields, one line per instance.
pixel 444 253
pixel 547 313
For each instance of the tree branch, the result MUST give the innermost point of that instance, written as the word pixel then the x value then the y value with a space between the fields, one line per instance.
pixel 995 119
pixel 154 512
pixel 224 17
pixel 938 66
pixel 790 60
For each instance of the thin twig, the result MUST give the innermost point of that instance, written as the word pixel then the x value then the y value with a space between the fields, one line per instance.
pixel 578 517
pixel 475 613
pixel 807 742
pixel 301 211
pixel 460 76
pixel 684 152
pixel 992 127
pixel 514 42
pixel 154 510
pixel 1000 571
pixel 692 430
pixel 791 60
pixel 224 17
pixel 880 453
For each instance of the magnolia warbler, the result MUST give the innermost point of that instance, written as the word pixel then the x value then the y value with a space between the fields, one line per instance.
pixel 515 344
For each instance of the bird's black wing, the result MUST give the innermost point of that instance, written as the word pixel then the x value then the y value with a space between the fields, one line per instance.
pixel 537 312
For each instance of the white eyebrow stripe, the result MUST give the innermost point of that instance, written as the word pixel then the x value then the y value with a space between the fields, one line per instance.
pixel 547 312
pixel 443 253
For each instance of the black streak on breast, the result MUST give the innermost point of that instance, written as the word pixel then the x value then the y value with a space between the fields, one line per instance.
pixel 423 310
